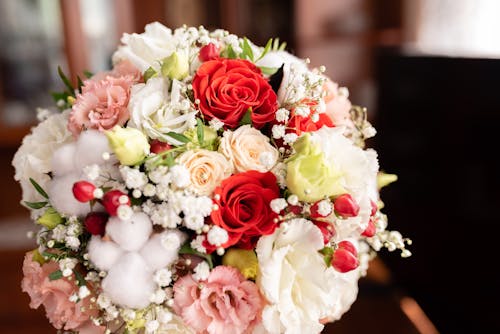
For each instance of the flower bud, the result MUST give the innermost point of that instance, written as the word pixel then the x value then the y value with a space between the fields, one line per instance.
pixel 370 229
pixel 129 145
pixel 95 223
pixel 374 208
pixel 175 66
pixel 209 52
pixel 111 201
pixel 327 229
pixel 50 219
pixel 83 191
pixel 159 146
pixel 345 206
pixel 243 260
pixel 344 258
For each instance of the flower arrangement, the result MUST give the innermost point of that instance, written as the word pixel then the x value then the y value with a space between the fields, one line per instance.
pixel 203 185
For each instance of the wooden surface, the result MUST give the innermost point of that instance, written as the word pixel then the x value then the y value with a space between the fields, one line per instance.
pixel 376 311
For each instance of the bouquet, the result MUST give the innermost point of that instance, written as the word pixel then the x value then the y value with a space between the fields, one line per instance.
pixel 203 185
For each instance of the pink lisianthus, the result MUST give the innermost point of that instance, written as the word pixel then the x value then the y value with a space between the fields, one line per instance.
pixel 225 304
pixel 54 296
pixel 102 103
pixel 337 104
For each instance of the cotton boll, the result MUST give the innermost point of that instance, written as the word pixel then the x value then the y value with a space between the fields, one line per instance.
pixel 61 195
pixel 129 283
pixel 162 249
pixel 103 254
pixel 63 159
pixel 89 148
pixel 130 234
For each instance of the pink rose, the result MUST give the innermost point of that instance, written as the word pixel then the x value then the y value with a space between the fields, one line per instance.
pixel 101 105
pixel 225 304
pixel 54 296
pixel 337 105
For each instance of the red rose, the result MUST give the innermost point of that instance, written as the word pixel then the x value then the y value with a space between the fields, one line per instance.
pixel 227 88
pixel 243 207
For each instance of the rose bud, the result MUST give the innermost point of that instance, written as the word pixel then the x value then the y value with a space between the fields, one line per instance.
pixel 157 146
pixel 209 52
pixel 345 206
pixel 343 259
pixel 326 229
pixel 321 209
pixel 370 229
pixel 113 199
pixel 83 191
pixel 95 223
pixel 374 208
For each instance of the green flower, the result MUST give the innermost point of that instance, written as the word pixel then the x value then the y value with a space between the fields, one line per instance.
pixel 175 66
pixel 209 137
pixel 50 219
pixel 309 175
pixel 129 145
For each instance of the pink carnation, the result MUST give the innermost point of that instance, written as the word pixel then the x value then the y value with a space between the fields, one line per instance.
pixel 225 304
pixel 101 105
pixel 54 296
pixel 122 69
pixel 337 106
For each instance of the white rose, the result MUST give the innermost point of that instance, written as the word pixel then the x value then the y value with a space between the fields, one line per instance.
pixel 359 169
pixel 156 112
pixel 300 289
pixel 206 168
pixel 33 158
pixel 244 148
pixel 146 49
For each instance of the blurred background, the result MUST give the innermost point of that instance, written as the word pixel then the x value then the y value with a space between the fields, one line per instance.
pixel 427 70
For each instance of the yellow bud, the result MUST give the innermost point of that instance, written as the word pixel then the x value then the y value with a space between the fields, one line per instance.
pixel 50 219
pixel 71 100
pixel 384 179
pixel 243 260
pixel 37 257
pixel 175 66
pixel 130 145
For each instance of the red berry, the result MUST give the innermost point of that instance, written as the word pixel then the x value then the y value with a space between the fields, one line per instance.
pixel 343 260
pixel 83 191
pixel 209 52
pixel 326 229
pixel 295 209
pixel 95 223
pixel 314 211
pixel 374 208
pixel 348 246
pixel 159 146
pixel 111 201
pixel 346 206
pixel 370 229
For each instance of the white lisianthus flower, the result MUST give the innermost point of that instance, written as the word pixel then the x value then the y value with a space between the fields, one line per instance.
pixel 300 289
pixel 33 158
pixel 359 169
pixel 244 147
pixel 157 112
pixel 146 49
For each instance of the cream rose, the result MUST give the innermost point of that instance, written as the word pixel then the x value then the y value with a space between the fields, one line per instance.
pixel 248 149
pixel 300 289
pixel 206 169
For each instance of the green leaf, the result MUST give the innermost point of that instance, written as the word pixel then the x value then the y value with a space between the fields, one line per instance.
pixel 80 83
pixel 150 73
pixel 327 253
pixel 266 49
pixel 88 74
pixel 247 49
pixel 39 189
pixel 282 46
pixel 276 44
pixel 66 81
pixel 247 118
pixel 178 136
pixel 200 131
pixel 35 205
pixel 268 70
pixel 186 249
pixel 169 160
pixel 55 275
pixel 79 278
pixel 50 256
pixel 229 53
